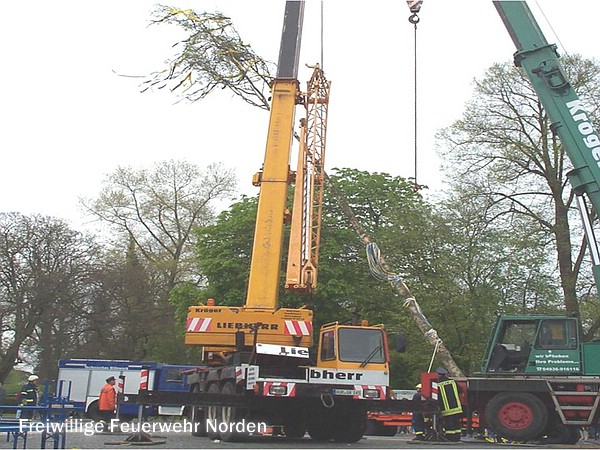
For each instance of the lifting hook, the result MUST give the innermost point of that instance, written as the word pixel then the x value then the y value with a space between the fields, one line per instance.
pixel 327 400
pixel 414 18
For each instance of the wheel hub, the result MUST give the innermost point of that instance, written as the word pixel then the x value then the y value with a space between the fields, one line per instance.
pixel 515 416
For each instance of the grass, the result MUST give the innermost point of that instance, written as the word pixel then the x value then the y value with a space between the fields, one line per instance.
pixel 12 385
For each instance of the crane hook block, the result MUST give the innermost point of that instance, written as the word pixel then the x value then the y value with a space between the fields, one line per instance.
pixel 414 6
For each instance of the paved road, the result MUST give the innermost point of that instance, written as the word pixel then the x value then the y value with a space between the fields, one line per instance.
pixel 185 440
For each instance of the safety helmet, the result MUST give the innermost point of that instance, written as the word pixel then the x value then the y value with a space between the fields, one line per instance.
pixel 33 378
pixel 441 371
pixel 418 386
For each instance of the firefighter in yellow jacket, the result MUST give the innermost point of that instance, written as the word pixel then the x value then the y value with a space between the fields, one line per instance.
pixel 450 406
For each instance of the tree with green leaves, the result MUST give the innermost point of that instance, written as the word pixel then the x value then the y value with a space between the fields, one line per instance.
pixel 504 153
pixel 400 220
pixel 124 302
pixel 153 213
pixel 157 210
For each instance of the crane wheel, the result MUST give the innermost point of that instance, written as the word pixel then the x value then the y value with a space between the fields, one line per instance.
pixel 294 430
pixel 230 415
pixel 559 433
pixel 516 416
pixel 196 417
pixel 320 430
pixel 213 413
pixel 350 427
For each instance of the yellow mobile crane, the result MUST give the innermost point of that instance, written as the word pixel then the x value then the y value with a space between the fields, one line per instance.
pixel 257 364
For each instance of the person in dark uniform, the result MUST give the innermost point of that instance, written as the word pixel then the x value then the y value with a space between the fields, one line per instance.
pixel 418 420
pixel 450 405
pixel 29 396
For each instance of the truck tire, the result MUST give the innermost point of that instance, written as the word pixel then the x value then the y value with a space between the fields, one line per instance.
pixel 196 417
pixel 572 436
pixel 350 427
pixel 93 411
pixel 294 430
pixel 213 413
pixel 559 433
pixel 231 415
pixel 320 431
pixel 516 416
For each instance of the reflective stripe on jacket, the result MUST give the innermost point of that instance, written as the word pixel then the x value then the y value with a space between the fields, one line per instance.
pixel 448 391
pixel 29 395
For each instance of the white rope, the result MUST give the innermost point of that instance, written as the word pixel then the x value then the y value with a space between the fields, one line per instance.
pixel 437 344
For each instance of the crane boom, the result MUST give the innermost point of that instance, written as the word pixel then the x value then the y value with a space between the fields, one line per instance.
pixel 275 176
pixel 569 119
pixel 291 37
pixel 260 320
pixel 305 232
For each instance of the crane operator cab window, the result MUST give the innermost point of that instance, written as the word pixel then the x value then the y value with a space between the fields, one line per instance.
pixel 361 345
pixel 328 345
pixel 557 334
pixel 513 346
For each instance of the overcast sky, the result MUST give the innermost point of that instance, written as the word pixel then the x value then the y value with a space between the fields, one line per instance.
pixel 68 119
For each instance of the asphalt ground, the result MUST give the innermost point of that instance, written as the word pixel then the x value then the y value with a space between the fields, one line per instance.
pixel 79 440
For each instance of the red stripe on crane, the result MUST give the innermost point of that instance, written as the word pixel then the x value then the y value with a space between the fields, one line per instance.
pixel 198 324
pixel 298 327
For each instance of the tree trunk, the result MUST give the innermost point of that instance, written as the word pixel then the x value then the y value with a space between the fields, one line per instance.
pixel 408 300
pixel 568 278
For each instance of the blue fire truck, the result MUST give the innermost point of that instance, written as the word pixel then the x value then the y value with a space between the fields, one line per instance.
pixel 80 380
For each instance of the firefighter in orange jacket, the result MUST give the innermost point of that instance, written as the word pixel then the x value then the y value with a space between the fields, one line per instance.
pixel 107 403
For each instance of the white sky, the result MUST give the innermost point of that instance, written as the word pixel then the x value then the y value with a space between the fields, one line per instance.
pixel 68 120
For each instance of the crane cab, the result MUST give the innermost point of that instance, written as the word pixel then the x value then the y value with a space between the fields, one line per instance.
pixel 353 347
pixel 539 344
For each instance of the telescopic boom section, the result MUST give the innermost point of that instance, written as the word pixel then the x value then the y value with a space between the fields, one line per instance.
pixel 275 176
pixel 569 119
pixel 223 329
pixel 305 232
